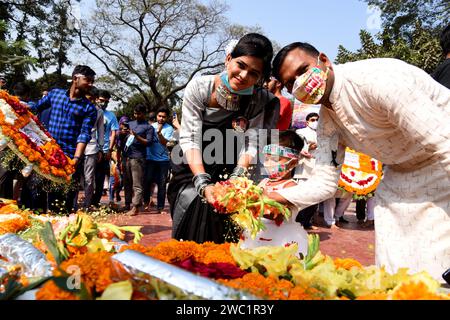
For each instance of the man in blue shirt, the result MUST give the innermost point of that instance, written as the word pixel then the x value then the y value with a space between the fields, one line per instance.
pixel 158 161
pixel 111 129
pixel 141 135
pixel 71 120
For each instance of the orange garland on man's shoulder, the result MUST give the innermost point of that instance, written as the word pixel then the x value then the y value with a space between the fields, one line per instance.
pixel 362 178
pixel 48 159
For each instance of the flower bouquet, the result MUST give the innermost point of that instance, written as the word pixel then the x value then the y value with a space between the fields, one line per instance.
pixel 23 133
pixel 78 234
pixel 246 204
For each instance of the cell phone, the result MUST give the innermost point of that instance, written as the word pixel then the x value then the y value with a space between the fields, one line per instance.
pixel 174 114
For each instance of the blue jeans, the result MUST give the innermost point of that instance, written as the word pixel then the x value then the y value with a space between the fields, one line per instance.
pixel 157 172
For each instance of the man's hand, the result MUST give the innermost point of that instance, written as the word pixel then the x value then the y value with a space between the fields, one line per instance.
pixel 312 146
pixel 99 156
pixel 275 196
pixel 306 154
pixel 176 123
pixel 75 161
pixel 160 126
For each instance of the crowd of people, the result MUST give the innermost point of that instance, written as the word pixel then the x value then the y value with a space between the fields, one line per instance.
pixel 109 155
pixel 386 108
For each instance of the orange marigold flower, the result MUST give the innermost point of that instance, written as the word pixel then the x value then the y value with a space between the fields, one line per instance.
pixel 96 270
pixel 258 285
pixel 415 290
pixel 374 296
pixel 14 225
pixel 50 291
pixel 347 263
pixel 174 251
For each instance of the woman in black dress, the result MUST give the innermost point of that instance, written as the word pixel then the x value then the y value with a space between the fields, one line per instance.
pixel 216 107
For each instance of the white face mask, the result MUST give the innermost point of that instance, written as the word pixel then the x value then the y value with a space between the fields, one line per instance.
pixel 129 142
pixel 313 125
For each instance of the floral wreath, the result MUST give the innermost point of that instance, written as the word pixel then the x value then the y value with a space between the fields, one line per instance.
pixel 24 134
pixel 360 174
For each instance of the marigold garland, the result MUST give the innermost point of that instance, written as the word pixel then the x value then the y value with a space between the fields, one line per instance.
pixel 416 290
pixel 14 219
pixel 47 159
pixel 97 273
pixel 272 288
pixel 173 251
pixel 50 291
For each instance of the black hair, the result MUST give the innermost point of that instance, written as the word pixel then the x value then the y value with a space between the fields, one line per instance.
pixel 281 55
pixel 288 138
pixel 152 116
pixel 140 108
pixel 312 114
pixel 94 92
pixel 21 89
pixel 84 70
pixel 255 45
pixel 104 94
pixel 445 40
pixel 163 109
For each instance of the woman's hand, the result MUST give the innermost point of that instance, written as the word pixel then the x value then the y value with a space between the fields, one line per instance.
pixel 209 196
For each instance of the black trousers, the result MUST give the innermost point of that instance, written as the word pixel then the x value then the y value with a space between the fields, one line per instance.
pixel 361 209
pixel 6 183
pixel 305 216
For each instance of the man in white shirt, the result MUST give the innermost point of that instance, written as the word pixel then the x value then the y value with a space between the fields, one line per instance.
pixel 93 155
pixel 398 114
pixel 306 165
pixel 305 170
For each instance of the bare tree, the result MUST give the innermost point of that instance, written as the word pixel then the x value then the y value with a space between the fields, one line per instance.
pixel 155 47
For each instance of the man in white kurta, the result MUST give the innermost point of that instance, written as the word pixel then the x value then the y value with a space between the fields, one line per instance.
pixel 398 114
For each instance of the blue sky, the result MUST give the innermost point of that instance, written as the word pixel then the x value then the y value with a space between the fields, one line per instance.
pixel 325 24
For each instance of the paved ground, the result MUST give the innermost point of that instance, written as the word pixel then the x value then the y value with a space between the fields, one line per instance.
pixel 349 241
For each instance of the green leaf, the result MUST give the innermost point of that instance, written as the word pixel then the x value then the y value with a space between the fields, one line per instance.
pixel 346 293
pixel 118 291
pixel 10 290
pixel 313 248
pixel 50 241
pixel 33 285
pixel 62 283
